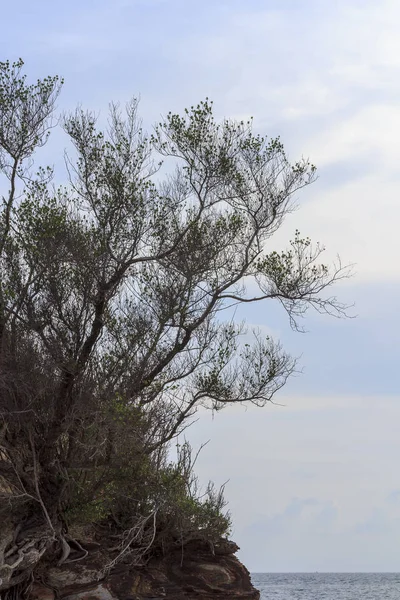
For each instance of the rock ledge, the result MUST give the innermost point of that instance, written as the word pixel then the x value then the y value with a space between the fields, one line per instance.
pixel 197 572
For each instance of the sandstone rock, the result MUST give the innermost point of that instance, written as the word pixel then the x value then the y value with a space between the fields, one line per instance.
pixel 225 547
pixel 195 572
pixel 73 575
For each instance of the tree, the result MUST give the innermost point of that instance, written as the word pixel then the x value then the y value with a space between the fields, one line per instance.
pixel 112 294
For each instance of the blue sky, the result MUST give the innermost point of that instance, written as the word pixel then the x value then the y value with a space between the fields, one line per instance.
pixel 315 484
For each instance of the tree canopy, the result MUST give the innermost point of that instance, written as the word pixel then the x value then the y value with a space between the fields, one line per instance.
pixel 113 290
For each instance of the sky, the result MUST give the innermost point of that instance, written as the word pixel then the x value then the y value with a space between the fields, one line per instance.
pixel 314 480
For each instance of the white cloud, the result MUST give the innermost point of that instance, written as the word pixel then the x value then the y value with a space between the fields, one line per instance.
pixel 371 132
pixel 319 465
pixel 330 78
pixel 359 221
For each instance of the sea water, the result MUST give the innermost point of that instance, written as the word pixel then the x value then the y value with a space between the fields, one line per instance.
pixel 327 586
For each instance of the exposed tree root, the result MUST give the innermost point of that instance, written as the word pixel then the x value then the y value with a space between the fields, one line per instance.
pixel 66 551
pixel 21 551
pixel 18 558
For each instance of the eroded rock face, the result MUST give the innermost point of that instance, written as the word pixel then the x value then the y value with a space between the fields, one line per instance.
pixel 195 573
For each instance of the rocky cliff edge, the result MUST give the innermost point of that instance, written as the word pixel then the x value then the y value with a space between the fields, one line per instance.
pixel 195 572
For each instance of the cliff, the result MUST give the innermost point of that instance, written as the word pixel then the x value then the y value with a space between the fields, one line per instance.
pixel 196 572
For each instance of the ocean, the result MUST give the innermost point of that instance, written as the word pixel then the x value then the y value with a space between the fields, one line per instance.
pixel 327 586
